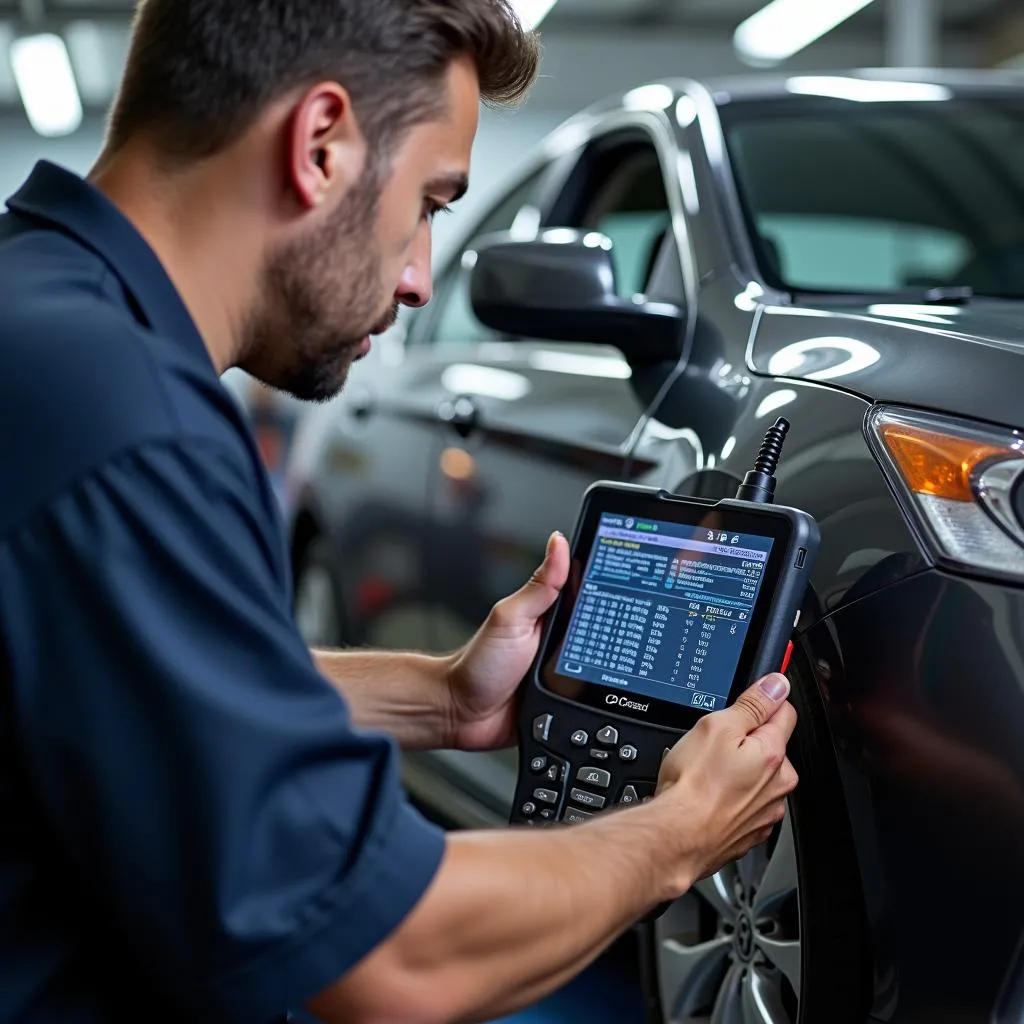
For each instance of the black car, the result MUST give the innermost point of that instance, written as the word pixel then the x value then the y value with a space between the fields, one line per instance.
pixel 688 262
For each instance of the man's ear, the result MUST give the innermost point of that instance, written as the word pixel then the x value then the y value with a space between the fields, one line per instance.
pixel 326 150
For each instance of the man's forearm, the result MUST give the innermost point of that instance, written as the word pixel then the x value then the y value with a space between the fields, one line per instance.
pixel 404 695
pixel 509 918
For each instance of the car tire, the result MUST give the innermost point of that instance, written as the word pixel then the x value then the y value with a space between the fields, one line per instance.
pixel 319 604
pixel 730 951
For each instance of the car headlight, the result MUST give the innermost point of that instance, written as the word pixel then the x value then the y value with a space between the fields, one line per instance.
pixel 962 484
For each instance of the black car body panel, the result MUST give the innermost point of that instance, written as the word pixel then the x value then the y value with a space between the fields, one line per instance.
pixel 904 353
pixel 928 731
pixel 441 471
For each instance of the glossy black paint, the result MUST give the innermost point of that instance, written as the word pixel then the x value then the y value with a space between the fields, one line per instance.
pixel 903 353
pixel 441 471
pixel 926 699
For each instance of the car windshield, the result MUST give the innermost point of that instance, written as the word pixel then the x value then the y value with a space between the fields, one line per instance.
pixel 883 197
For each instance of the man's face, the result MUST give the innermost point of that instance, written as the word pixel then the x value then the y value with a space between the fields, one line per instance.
pixel 325 294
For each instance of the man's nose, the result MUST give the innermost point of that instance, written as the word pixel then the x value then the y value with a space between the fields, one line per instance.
pixel 416 285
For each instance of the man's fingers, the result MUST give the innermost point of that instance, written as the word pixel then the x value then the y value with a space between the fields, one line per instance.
pixel 775 733
pixel 760 702
pixel 531 601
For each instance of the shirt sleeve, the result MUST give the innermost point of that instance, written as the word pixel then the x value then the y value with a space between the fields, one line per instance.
pixel 202 779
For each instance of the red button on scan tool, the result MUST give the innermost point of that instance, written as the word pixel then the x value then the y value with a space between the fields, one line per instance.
pixel 786 657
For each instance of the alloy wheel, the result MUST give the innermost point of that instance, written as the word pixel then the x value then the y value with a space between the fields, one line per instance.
pixel 316 609
pixel 729 952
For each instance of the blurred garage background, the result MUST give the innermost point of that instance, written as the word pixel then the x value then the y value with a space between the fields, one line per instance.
pixel 60 61
pixel 592 48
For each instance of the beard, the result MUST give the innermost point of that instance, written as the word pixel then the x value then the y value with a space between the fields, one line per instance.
pixel 311 321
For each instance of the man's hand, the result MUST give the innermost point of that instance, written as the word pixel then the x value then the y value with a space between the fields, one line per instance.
pixel 723 787
pixel 486 675
pixel 511 914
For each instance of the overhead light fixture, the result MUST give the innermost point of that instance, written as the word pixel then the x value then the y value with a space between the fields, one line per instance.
pixel 42 71
pixel 532 12
pixel 867 90
pixel 785 27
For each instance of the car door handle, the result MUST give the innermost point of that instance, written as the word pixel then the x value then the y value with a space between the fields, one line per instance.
pixel 462 414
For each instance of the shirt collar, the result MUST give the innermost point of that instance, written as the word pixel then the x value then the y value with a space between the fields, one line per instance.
pixel 68 202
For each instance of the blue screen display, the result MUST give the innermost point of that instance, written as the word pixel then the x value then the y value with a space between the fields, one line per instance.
pixel 663 609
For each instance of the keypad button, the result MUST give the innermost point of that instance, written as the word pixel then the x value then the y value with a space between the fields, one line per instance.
pixel 628 752
pixel 637 792
pixel 547 813
pixel 600 755
pixel 594 777
pixel 552 773
pixel 575 816
pixel 581 796
pixel 609 736
pixel 542 727
pixel 538 764
pixel 666 752
pixel 579 738
pixel 529 808
pixel 545 796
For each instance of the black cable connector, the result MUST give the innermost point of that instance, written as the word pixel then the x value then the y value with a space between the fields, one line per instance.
pixel 759 483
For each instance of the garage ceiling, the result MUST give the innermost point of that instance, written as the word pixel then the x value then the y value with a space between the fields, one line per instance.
pixel 724 13
pixel 956 14
pixel 96 30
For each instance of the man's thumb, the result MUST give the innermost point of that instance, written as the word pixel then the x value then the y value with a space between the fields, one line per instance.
pixel 760 701
pixel 539 593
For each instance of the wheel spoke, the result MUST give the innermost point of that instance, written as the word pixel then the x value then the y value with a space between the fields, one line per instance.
pixel 720 891
pixel 785 955
pixel 762 999
pixel 752 867
pixel 779 880
pixel 729 1005
pixel 690 975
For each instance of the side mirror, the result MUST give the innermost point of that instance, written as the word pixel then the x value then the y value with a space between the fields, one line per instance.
pixel 561 287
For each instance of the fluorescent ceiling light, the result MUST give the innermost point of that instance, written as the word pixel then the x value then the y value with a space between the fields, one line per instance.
pixel 785 27
pixel 532 12
pixel 862 90
pixel 42 71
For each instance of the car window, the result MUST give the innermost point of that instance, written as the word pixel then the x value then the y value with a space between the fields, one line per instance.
pixel 837 253
pixel 630 206
pixel 454 322
pixel 882 197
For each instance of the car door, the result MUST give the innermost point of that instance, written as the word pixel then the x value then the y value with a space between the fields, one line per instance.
pixel 530 425
pixel 359 482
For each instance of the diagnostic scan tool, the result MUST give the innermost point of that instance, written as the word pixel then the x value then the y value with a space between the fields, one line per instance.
pixel 673 607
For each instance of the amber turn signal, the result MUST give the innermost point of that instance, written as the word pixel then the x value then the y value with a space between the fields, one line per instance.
pixel 934 463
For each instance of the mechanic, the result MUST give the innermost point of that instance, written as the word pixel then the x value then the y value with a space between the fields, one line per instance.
pixel 202 819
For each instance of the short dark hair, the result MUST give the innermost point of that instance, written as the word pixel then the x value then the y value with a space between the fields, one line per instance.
pixel 200 72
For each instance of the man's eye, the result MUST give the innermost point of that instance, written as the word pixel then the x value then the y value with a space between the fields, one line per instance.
pixel 432 209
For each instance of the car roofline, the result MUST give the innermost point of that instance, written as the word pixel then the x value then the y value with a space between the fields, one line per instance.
pixel 749 88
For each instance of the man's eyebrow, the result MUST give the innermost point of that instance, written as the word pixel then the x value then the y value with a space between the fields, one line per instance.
pixel 454 185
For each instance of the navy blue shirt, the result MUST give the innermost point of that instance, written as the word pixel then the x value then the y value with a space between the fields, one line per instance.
pixel 190 826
